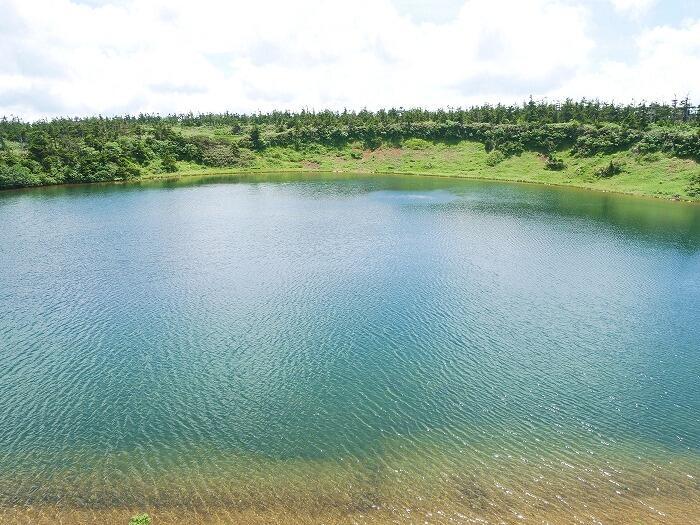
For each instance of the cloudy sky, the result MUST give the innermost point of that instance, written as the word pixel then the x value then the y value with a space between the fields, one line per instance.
pixel 81 57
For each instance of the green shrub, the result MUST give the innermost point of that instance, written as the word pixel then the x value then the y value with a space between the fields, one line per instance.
pixel 614 167
pixel 494 158
pixel 257 142
pixel 191 152
pixel 17 176
pixel 554 163
pixel 648 157
pixel 606 138
pixel 140 519
pixel 693 188
pixel 416 144
pixel 677 142
pixel 219 155
pixel 169 165
pixel 372 142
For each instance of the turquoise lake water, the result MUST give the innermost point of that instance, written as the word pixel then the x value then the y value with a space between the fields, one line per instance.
pixel 352 347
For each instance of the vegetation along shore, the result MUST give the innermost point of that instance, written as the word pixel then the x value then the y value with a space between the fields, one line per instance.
pixel 645 149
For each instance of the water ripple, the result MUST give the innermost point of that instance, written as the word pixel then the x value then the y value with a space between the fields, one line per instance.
pixel 348 350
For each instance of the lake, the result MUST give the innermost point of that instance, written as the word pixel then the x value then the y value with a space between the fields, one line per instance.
pixel 348 349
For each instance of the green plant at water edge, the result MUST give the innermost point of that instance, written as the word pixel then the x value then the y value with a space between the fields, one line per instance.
pixel 615 167
pixel 140 519
pixel 693 188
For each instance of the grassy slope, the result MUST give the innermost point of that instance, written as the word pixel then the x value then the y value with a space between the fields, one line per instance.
pixel 659 175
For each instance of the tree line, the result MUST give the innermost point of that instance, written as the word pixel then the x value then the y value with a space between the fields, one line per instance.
pixel 93 149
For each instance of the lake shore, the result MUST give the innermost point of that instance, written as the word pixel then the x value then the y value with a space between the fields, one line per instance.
pixel 224 516
pixel 659 177
pixel 214 172
pixel 438 483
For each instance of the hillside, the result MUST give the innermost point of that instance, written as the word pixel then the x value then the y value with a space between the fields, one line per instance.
pixel 643 149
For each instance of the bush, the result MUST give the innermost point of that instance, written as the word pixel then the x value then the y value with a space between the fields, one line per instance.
pixel 256 141
pixel 607 138
pixel 416 144
pixel 615 167
pixel 169 165
pixel 648 157
pixel 191 152
pixel 136 149
pixel 677 142
pixel 219 155
pixel 494 158
pixel 554 163
pixel 372 142
pixel 17 176
pixel 693 188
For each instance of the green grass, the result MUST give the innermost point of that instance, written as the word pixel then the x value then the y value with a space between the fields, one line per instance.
pixel 657 175
pixel 140 519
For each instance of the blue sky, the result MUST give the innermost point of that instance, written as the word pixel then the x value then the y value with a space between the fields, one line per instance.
pixel 80 57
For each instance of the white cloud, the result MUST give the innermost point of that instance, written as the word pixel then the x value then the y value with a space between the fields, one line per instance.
pixel 633 6
pixel 61 57
pixel 667 64
pixel 178 55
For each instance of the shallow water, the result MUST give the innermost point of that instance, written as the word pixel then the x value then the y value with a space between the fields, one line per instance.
pixel 348 350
